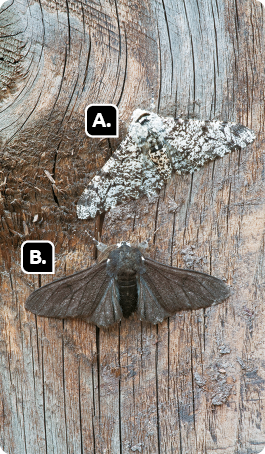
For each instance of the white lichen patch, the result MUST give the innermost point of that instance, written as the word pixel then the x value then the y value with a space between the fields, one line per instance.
pixel 154 147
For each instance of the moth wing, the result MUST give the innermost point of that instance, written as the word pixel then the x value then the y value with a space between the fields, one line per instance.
pixel 194 142
pixel 169 290
pixel 90 294
pixel 108 310
pixel 149 307
pixel 127 175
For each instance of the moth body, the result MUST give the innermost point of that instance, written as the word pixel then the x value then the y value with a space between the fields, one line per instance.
pixel 128 294
pixel 126 263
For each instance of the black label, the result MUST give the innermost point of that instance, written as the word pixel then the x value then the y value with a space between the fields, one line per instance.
pixel 102 120
pixel 37 257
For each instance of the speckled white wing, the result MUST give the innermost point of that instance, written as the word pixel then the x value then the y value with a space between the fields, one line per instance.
pixel 127 175
pixel 139 167
pixel 192 143
pixel 153 148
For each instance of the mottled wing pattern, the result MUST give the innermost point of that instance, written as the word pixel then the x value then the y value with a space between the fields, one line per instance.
pixel 127 175
pixel 193 143
pixel 152 149
pixel 164 290
pixel 90 294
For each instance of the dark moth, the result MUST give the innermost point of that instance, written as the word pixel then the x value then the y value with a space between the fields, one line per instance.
pixel 122 282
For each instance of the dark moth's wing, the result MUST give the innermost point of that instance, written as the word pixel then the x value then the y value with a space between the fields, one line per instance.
pixel 164 290
pixel 90 294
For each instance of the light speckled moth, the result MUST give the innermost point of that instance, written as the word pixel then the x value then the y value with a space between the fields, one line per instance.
pixel 123 282
pixel 154 147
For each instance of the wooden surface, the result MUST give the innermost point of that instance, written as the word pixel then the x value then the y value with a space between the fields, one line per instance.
pixel 194 384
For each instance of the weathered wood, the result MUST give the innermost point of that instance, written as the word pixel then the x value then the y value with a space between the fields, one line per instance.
pixel 195 383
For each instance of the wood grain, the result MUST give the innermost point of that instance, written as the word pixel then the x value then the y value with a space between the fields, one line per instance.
pixel 195 383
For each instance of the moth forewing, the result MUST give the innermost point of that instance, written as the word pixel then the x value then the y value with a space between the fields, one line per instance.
pixel 149 308
pixel 182 289
pixel 108 310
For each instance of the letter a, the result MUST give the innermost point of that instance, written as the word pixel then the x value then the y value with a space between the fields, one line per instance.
pixel 99 120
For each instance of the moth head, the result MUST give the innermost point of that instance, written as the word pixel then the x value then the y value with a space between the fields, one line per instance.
pixel 123 243
pixel 140 115
pixel 125 260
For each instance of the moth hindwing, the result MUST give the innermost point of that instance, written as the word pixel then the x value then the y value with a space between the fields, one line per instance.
pixel 124 282
pixel 154 147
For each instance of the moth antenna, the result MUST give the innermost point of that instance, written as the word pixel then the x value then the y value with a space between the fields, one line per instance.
pixel 100 246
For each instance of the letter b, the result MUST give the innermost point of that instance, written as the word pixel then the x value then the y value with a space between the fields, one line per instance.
pixel 35 257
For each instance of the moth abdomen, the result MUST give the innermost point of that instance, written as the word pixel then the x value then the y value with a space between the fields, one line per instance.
pixel 128 295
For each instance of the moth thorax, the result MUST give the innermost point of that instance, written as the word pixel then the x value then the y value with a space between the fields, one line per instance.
pixel 159 157
pixel 124 259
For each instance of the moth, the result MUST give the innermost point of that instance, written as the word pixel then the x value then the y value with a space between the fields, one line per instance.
pixel 124 281
pixel 153 149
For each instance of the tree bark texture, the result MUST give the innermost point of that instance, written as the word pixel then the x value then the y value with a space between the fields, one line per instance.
pixel 195 383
